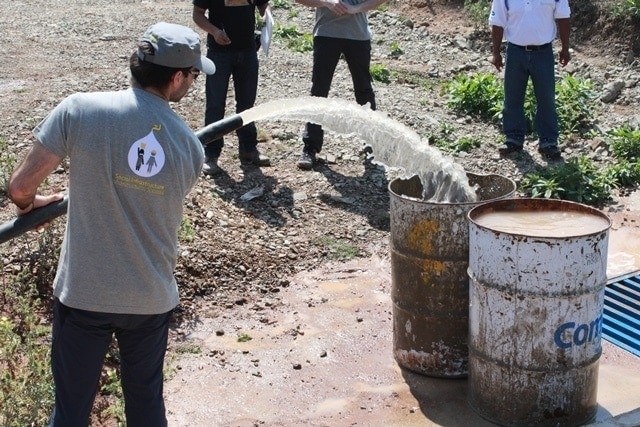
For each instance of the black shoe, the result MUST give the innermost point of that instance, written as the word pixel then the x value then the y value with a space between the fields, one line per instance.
pixel 254 158
pixel 306 160
pixel 210 166
pixel 550 153
pixel 506 149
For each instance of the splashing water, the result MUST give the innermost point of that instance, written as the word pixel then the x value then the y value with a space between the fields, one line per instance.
pixel 393 144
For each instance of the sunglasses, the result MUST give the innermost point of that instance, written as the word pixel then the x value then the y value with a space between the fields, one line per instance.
pixel 194 72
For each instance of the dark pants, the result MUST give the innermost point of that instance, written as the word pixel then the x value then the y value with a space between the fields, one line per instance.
pixel 243 67
pixel 81 340
pixel 326 54
pixel 539 66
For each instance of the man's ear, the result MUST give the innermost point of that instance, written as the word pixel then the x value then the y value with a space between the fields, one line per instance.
pixel 177 77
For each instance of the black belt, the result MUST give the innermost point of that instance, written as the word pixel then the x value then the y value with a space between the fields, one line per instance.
pixel 531 48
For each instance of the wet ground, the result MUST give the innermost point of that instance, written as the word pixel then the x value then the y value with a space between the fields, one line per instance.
pixel 323 356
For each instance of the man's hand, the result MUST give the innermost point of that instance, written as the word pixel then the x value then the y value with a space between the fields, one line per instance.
pixel 38 202
pixel 564 57
pixel 496 60
pixel 221 37
pixel 337 7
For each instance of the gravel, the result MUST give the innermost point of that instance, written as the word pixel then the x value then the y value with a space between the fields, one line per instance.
pixel 242 251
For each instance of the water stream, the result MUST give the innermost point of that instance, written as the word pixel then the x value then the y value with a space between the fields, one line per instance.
pixel 393 144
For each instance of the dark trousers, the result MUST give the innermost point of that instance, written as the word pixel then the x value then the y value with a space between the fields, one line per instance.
pixel 81 340
pixel 243 68
pixel 326 54
pixel 522 65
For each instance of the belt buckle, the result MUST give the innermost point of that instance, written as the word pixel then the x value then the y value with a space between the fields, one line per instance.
pixel 530 48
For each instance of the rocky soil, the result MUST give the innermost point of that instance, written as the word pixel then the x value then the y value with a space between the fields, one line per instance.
pixel 238 254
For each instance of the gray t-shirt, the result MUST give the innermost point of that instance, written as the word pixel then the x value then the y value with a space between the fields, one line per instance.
pixel 352 27
pixel 132 162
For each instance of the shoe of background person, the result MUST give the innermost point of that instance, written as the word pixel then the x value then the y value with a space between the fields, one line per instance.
pixel 306 160
pixel 550 153
pixel 210 166
pixel 254 158
pixel 506 149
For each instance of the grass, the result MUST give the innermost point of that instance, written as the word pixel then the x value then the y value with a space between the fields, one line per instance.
pixel 339 249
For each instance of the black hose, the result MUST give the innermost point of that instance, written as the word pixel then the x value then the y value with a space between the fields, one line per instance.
pixel 24 223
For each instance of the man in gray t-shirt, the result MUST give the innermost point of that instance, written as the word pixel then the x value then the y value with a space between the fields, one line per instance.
pixel 132 162
pixel 341 28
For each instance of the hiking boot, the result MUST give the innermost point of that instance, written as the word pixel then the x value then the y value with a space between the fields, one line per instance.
pixel 550 153
pixel 210 166
pixel 506 149
pixel 254 158
pixel 306 160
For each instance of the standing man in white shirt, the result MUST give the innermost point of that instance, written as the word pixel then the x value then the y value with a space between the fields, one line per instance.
pixel 529 27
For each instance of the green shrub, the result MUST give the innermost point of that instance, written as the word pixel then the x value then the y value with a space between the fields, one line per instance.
pixel 627 8
pixel 480 95
pixel 445 140
pixel 295 40
pixel 26 384
pixel 625 143
pixel 380 73
pixel 478 12
pixel 578 180
pixel 280 4
pixel 396 50
pixel 624 173
pixel 575 105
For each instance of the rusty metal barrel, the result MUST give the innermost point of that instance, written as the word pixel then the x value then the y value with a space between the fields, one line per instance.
pixel 537 272
pixel 429 260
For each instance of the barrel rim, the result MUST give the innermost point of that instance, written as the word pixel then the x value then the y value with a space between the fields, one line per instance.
pixel 514 203
pixel 511 191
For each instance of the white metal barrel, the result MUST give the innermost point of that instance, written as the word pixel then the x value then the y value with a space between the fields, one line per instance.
pixel 537 271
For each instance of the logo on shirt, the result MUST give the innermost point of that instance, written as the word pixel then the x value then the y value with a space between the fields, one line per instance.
pixel 146 156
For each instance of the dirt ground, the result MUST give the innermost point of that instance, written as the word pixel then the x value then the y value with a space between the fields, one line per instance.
pixel 278 268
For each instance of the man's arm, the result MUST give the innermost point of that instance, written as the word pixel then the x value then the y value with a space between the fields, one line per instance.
pixel 335 6
pixel 497 33
pixel 564 29
pixel 25 180
pixel 365 6
pixel 201 20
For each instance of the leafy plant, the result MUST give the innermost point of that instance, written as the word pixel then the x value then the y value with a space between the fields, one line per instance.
pixel 625 173
pixel 295 40
pixel 186 231
pixel 625 143
pixel 112 386
pixel 26 384
pixel 396 50
pixel 478 11
pixel 380 73
pixel 280 4
pixel 479 95
pixel 242 337
pixel 482 95
pixel 574 104
pixel 627 8
pixel 445 140
pixel 578 180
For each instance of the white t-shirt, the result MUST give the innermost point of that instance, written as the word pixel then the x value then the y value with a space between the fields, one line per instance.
pixel 528 22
